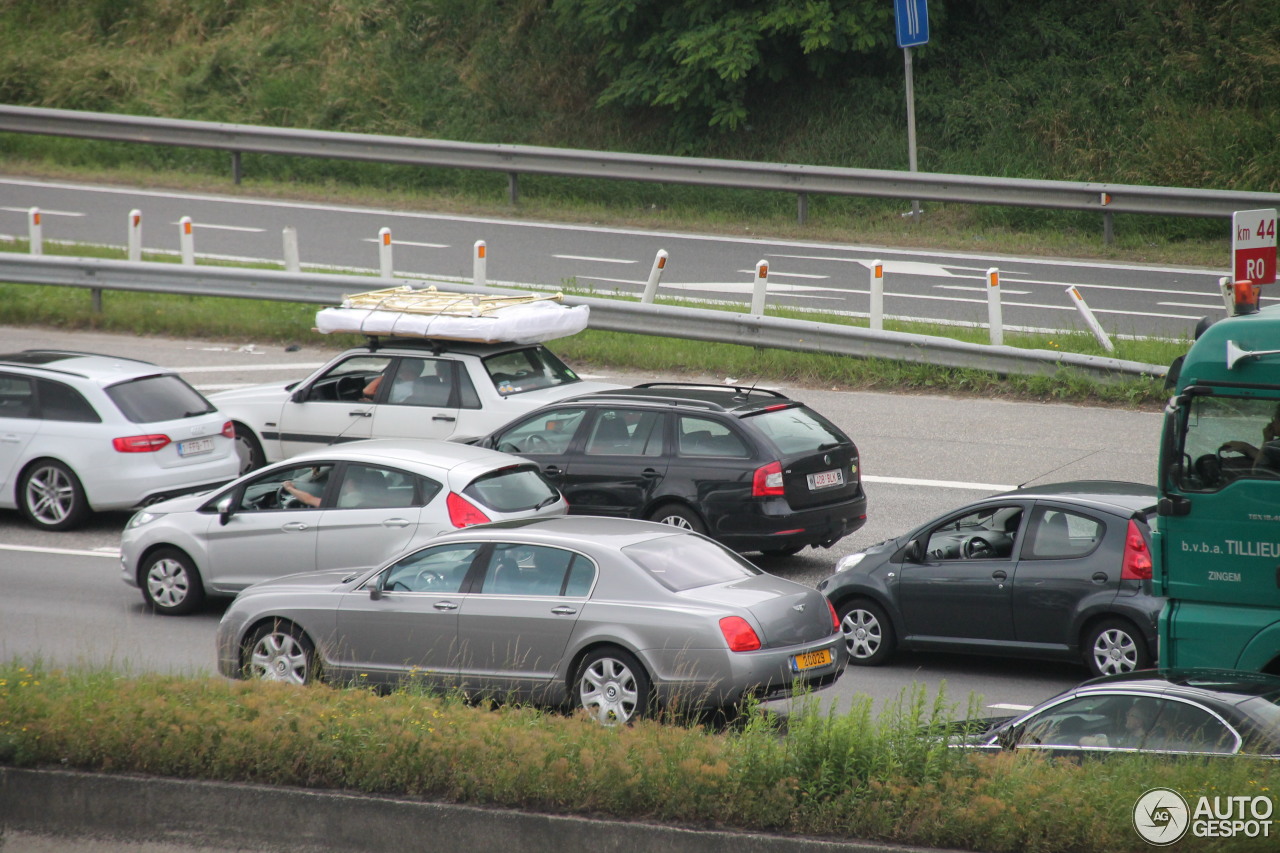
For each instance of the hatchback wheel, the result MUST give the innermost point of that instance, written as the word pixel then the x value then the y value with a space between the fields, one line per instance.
pixel 678 516
pixel 280 651
pixel 612 686
pixel 868 636
pixel 171 583
pixel 1113 646
pixel 51 496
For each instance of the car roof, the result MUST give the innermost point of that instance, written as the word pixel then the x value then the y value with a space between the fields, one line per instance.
pixel 1229 685
pixel 713 398
pixel 85 365
pixel 423 451
pixel 578 530
pixel 1113 494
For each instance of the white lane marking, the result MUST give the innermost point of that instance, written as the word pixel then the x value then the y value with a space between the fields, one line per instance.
pixel 776 273
pixel 395 242
pixel 940 484
pixel 69 552
pixel 979 288
pixel 209 226
pixel 225 368
pixel 1009 706
pixel 744 288
pixel 44 212
pixel 596 260
pixel 904 267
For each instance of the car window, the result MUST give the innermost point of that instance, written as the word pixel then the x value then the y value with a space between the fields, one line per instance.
pixel 268 491
pixel 467 396
pixel 518 569
pixel 1228 438
pixel 545 432
pixel 529 369
pixel 1066 723
pixel 513 489
pixel 17 396
pixel 706 437
pixel 372 487
pixel 349 379
pixel 686 562
pixel 422 382
pixel 437 570
pixel 1056 533
pixel 796 429
pixel 984 534
pixel 59 402
pixel 626 432
pixel 1123 721
pixel 151 399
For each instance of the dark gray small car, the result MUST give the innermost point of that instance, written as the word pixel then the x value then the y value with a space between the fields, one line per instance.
pixel 617 616
pixel 1059 571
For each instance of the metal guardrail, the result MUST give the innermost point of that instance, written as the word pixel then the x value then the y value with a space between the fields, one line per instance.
pixel 695 324
pixel 524 159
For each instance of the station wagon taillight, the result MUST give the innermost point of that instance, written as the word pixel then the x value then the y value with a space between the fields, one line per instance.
pixel 140 443
pixel 767 481
pixel 739 634
pixel 462 512
pixel 1136 565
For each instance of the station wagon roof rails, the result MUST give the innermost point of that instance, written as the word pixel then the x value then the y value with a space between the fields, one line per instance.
pixel 737 389
pixel 622 396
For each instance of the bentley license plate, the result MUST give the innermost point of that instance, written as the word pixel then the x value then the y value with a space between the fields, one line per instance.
pixel 195 447
pixel 826 479
pixel 809 660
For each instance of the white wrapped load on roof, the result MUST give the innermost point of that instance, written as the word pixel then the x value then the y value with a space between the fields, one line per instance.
pixel 431 313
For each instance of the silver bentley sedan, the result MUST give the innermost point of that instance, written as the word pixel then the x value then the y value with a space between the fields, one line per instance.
pixel 621 617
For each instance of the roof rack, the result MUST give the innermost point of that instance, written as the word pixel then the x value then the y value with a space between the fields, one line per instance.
pixel 737 389
pixel 622 395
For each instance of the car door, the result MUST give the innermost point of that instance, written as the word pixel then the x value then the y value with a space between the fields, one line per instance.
pixel 1062 562
pixel 422 402
pixel 515 626
pixel 621 463
pixel 18 424
pixel 962 587
pixel 545 438
pixel 330 409
pixel 360 529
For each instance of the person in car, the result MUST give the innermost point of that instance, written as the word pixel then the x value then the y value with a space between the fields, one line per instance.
pixel 1266 453
pixel 401 387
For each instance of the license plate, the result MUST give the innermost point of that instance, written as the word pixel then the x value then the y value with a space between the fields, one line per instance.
pixel 826 479
pixel 809 660
pixel 195 447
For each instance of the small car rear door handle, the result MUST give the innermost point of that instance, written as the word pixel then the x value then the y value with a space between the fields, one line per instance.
pixel 443 418
pixel 396 522
pixel 564 611
pixel 552 470
pixel 1099 577
pixel 999 575
pixel 296 525
pixel 651 473
pixel 361 413
pixel 445 605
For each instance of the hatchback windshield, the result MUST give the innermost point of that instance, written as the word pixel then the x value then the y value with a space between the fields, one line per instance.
pixel 512 490
pixel 795 429
pixel 687 562
pixel 527 370
pixel 151 399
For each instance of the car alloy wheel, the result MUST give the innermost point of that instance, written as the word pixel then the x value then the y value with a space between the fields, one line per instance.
pixel 612 686
pixel 280 652
pixel 868 636
pixel 52 496
pixel 1115 647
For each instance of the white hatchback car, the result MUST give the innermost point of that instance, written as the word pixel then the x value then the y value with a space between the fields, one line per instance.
pixel 81 432
pixel 437 389
pixel 348 507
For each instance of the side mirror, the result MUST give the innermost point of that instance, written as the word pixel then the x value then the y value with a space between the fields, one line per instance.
pixel 299 395
pixel 1008 738
pixel 224 510
pixel 375 590
pixel 913 551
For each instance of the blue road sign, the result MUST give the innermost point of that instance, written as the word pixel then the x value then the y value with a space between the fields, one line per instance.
pixel 912 19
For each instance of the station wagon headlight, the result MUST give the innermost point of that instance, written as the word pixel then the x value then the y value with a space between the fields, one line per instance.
pixel 849 562
pixel 142 518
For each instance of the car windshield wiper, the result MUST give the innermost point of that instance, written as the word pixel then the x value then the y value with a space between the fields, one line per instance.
pixel 548 502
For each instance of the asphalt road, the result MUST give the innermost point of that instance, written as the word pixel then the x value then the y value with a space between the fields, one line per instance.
pixel 61 597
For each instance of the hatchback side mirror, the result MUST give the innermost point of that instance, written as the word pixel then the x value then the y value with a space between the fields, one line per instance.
pixel 224 510
pixel 913 551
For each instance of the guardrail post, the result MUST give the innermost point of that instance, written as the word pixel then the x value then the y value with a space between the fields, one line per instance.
pixel 384 252
pixel 292 260
pixel 186 241
pixel 993 307
pixel 479 264
pixel 1108 224
pixel 134 230
pixel 1092 321
pixel 1228 294
pixel 655 276
pixel 802 208
pixel 876 314
pixel 759 288
pixel 35 232
pixel 235 167
pixel 513 187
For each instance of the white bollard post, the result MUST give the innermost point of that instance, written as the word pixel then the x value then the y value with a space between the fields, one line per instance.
pixel 877 295
pixel 35 232
pixel 384 252
pixel 187 241
pixel 1092 321
pixel 1228 294
pixel 479 265
pixel 292 261
pixel 993 307
pixel 655 275
pixel 759 288
pixel 135 235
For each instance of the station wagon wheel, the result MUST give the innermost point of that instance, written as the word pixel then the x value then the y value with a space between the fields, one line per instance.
pixel 1114 646
pixel 280 651
pixel 248 449
pixel 868 634
pixel 170 582
pixel 678 516
pixel 612 686
pixel 51 497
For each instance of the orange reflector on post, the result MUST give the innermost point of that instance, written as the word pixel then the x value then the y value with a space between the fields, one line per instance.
pixel 878 272
pixel 480 250
pixel 186 226
pixel 386 237
pixel 762 270
pixel 35 218
pixel 993 278
pixel 662 262
pixel 1106 199
pixel 137 219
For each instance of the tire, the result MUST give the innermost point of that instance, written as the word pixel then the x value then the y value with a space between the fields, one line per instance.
pixel 868 634
pixel 171 583
pixel 1113 646
pixel 51 497
pixel 678 516
pixel 612 687
pixel 248 448
pixel 280 651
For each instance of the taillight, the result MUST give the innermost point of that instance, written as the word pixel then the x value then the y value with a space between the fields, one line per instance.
pixel 767 481
pixel 1136 565
pixel 140 443
pixel 835 620
pixel 229 430
pixel 463 513
pixel 739 634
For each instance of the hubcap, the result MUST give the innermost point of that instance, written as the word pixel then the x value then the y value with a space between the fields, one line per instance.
pixel 278 657
pixel 1115 651
pixel 167 583
pixel 862 635
pixel 608 691
pixel 677 521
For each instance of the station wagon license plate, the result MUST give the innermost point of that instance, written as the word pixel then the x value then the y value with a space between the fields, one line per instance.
pixel 195 447
pixel 809 660
pixel 826 479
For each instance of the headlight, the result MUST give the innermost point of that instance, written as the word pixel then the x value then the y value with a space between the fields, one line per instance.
pixel 143 517
pixel 850 561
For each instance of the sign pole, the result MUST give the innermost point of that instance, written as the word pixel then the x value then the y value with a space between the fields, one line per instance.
pixel 911 25
pixel 911 127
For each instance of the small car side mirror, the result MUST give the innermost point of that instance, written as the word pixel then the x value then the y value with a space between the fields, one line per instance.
pixel 224 510
pixel 913 551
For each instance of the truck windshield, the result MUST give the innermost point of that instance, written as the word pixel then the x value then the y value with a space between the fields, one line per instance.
pixel 1228 439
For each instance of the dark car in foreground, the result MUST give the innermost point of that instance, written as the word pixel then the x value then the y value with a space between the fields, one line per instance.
pixel 1203 712
pixel 1060 571
pixel 617 616
pixel 749 467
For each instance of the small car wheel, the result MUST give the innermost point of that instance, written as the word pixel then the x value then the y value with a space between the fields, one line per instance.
pixel 51 497
pixel 171 583
pixel 678 516
pixel 248 448
pixel 280 651
pixel 1113 646
pixel 868 635
pixel 612 686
